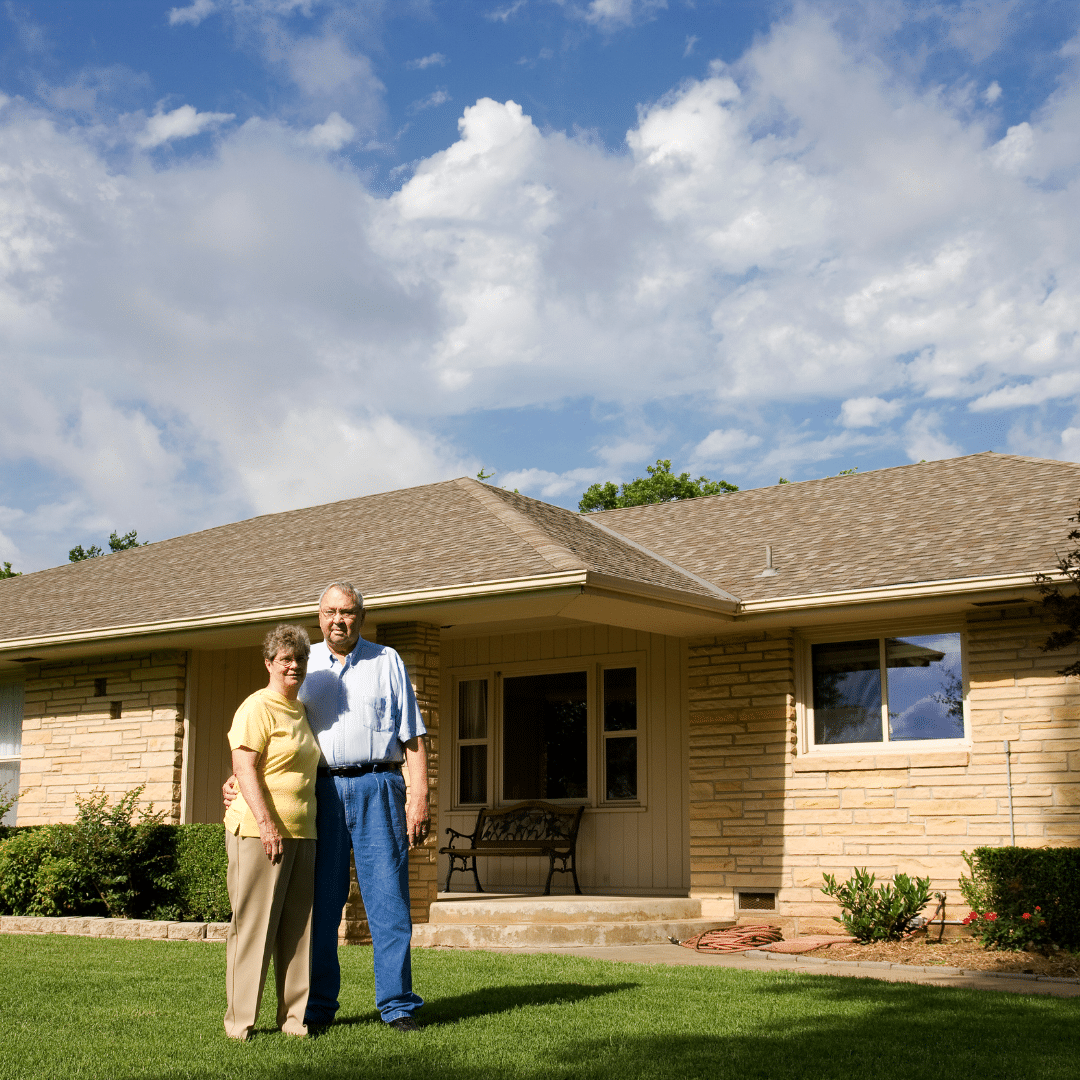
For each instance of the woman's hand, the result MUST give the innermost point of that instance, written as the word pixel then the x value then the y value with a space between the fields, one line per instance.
pixel 245 763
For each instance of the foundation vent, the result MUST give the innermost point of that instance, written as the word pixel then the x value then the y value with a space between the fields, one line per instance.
pixel 757 901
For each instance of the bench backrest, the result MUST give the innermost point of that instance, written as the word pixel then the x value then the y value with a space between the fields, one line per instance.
pixel 528 823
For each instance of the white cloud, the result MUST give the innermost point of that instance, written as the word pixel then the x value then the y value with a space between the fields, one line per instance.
pixel 691 41
pixel 1062 384
pixel 611 14
pixel 434 60
pixel 193 13
pixel 542 484
pixel 924 439
pixel 181 123
pixel 432 101
pixel 992 93
pixel 868 411
pixel 504 14
pixel 718 446
pixel 799 230
pixel 1070 444
pixel 333 133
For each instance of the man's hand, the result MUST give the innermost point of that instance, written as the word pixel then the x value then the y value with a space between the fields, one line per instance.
pixel 229 791
pixel 417 820
pixel 417 815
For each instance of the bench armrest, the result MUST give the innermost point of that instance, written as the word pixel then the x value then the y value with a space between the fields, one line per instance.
pixel 455 835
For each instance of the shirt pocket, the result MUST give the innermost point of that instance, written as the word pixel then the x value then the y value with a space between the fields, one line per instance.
pixel 377 713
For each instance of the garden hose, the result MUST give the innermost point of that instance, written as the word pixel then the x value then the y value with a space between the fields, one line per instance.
pixel 732 938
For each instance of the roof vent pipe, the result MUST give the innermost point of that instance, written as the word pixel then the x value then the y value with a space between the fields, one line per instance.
pixel 770 570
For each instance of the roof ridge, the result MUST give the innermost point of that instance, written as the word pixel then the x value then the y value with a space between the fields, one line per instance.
pixel 549 549
pixel 715 589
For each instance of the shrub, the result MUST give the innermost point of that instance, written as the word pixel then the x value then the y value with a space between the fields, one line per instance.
pixel 1023 898
pixel 201 864
pixel 881 914
pixel 38 875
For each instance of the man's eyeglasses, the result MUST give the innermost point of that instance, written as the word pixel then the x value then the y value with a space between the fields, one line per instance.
pixel 339 613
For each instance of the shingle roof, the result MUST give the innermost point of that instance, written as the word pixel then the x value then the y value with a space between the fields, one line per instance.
pixel 966 517
pixel 439 535
pixel 963 517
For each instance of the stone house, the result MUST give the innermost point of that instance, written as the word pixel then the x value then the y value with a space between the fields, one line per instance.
pixel 745 691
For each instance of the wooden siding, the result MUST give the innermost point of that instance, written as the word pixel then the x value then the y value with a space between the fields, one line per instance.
pixel 641 849
pixel 218 682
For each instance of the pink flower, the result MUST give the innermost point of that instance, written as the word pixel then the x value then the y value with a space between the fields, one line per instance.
pixel 1027 915
pixel 990 916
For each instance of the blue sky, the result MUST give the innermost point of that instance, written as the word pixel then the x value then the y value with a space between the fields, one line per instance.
pixel 260 254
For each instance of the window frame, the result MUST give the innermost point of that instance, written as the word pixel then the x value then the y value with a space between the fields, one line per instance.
pixel 16 758
pixel 593 666
pixel 856 632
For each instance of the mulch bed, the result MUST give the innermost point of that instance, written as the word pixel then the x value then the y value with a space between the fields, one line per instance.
pixel 960 953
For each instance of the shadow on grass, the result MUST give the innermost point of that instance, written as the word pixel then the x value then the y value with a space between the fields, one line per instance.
pixel 491 1000
pixel 803 1028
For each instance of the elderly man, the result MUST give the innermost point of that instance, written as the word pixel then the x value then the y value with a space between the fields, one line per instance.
pixel 362 709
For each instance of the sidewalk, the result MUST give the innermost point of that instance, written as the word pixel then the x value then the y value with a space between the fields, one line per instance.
pixel 762 960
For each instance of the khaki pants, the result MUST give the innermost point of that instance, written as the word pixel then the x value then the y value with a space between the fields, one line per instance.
pixel 271 905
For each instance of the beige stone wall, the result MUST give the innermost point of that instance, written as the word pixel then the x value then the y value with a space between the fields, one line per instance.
pixel 418 645
pixel 764 817
pixel 73 743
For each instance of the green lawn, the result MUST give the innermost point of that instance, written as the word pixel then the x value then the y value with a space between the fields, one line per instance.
pixel 80 1007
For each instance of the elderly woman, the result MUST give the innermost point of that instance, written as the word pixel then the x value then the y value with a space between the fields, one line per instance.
pixel 270 838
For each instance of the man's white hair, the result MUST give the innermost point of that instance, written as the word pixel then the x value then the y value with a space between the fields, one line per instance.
pixel 349 589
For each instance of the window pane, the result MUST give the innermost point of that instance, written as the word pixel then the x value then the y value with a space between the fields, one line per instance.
pixel 620 699
pixel 926 690
pixel 11 717
pixel 545 736
pixel 9 788
pixel 621 767
pixel 472 709
pixel 847 692
pixel 472 786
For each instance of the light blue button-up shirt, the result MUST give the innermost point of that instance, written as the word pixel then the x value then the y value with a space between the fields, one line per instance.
pixel 362 709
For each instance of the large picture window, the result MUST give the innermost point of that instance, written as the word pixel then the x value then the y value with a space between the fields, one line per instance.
pixel 11 720
pixel 887 690
pixel 546 736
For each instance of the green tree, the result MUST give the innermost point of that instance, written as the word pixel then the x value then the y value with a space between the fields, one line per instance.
pixel 116 543
pixel 1063 601
pixel 6 572
pixel 661 485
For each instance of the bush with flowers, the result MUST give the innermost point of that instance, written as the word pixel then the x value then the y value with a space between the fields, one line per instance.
pixel 1023 898
pixel 1030 930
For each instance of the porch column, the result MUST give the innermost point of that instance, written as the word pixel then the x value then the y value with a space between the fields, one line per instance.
pixel 418 645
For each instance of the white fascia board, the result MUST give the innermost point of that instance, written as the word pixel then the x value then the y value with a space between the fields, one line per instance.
pixel 714 605
pixel 913 590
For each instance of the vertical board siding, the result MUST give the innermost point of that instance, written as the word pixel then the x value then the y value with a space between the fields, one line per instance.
pixel 221 680
pixel 636 851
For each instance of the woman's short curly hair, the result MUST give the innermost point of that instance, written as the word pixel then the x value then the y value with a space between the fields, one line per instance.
pixel 289 639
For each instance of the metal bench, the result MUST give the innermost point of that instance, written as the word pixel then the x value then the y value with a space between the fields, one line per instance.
pixel 529 828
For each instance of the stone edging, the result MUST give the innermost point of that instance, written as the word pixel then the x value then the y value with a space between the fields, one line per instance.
pixel 100 927
pixel 880 965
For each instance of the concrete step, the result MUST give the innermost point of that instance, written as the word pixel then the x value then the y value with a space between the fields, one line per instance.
pixel 538 935
pixel 501 910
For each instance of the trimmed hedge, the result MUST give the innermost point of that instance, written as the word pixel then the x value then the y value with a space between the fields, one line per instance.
pixel 174 872
pixel 1011 882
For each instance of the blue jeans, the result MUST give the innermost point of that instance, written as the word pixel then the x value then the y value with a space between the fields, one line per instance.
pixel 366 814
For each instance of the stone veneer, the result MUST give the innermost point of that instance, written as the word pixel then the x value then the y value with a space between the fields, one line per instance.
pixel 418 645
pixel 73 743
pixel 763 817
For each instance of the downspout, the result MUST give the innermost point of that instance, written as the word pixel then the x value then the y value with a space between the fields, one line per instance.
pixel 1008 783
pixel 186 747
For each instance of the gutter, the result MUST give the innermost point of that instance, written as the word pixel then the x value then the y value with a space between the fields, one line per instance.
pixel 920 590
